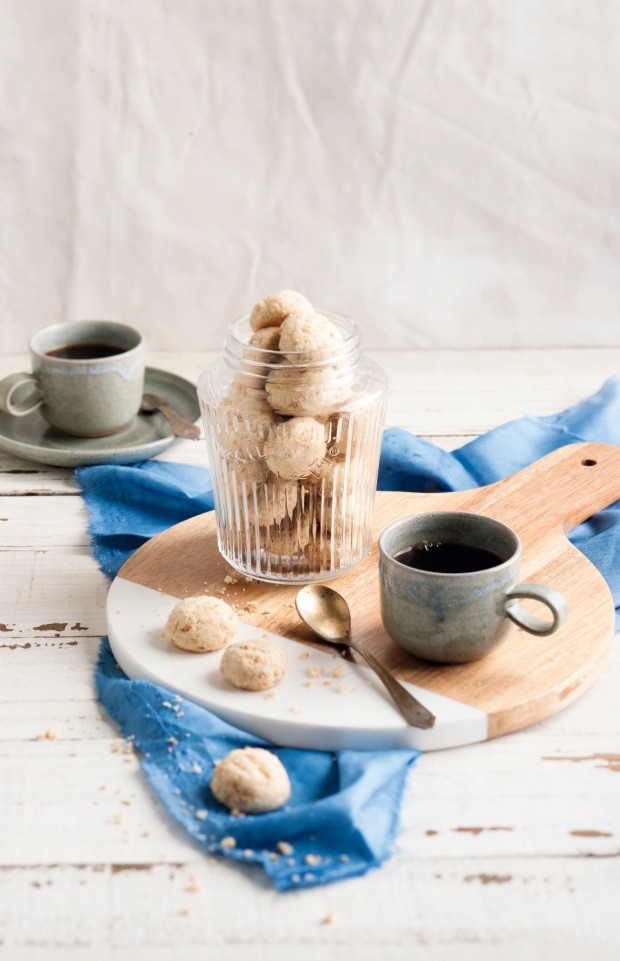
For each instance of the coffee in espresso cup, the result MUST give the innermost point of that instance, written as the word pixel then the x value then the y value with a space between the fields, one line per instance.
pixel 87 378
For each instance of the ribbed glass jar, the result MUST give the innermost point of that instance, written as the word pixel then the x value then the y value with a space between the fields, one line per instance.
pixel 294 442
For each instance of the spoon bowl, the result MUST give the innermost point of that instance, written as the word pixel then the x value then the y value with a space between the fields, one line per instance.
pixel 326 612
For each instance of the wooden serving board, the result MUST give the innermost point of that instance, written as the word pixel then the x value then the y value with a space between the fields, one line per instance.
pixel 526 679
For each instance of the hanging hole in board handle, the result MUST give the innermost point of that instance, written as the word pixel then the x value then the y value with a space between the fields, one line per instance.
pixel 588 462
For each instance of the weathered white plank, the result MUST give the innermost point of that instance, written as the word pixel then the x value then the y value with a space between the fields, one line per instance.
pixel 29 663
pixel 60 522
pixel 49 593
pixel 523 796
pixel 465 910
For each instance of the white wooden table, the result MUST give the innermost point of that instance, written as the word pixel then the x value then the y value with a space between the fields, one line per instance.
pixel 509 849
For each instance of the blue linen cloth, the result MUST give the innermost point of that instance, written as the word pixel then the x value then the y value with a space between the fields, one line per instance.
pixel 344 807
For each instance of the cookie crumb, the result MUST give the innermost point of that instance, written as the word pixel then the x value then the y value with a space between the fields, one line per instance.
pixel 192 885
pixel 314 671
pixel 184 911
pixel 337 671
pixel 340 688
pixel 270 695
pixel 312 860
pixel 230 580
pixel 329 918
pixel 304 654
pixel 285 848
pixel 344 858
pixel 248 853
pixel 228 842
pixel 49 735
pixel 201 815
pixel 196 769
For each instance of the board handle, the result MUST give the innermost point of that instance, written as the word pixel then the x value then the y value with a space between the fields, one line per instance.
pixel 562 489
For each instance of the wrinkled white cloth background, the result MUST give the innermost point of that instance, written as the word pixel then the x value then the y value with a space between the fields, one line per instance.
pixel 446 172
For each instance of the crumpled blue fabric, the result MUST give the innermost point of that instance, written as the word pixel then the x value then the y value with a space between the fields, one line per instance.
pixel 342 815
pixel 344 807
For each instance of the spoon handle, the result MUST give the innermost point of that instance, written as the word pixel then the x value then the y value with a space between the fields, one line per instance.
pixel 180 426
pixel 413 712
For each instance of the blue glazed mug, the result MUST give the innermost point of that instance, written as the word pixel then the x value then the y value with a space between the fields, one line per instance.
pixel 455 617
pixel 87 378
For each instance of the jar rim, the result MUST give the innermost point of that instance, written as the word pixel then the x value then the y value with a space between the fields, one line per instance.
pixel 240 331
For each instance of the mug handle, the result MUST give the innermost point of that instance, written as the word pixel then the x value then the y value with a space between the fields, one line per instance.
pixel 548 596
pixel 8 386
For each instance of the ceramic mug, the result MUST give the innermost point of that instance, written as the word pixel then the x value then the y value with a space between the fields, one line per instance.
pixel 457 617
pixel 87 378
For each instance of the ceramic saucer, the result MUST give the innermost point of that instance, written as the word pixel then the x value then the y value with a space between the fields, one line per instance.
pixel 32 438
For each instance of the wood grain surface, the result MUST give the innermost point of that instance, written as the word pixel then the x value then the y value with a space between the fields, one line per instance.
pixel 527 678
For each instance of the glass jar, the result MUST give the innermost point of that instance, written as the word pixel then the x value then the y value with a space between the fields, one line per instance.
pixel 294 442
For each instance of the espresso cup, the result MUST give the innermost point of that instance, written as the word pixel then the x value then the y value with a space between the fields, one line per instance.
pixel 451 614
pixel 87 378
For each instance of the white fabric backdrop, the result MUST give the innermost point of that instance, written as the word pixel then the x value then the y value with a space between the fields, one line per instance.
pixel 446 172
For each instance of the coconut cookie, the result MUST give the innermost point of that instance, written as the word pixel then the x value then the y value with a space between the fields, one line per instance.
pixel 307 391
pixel 274 308
pixel 242 420
pixel 267 338
pixel 201 624
pixel 251 780
pixel 253 665
pixel 295 448
pixel 301 334
pixel 274 501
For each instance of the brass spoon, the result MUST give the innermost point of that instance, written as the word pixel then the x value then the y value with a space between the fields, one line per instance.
pixel 327 613
pixel 180 426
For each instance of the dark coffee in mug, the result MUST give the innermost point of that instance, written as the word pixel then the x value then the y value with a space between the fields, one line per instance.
pixel 85 351
pixel 447 558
